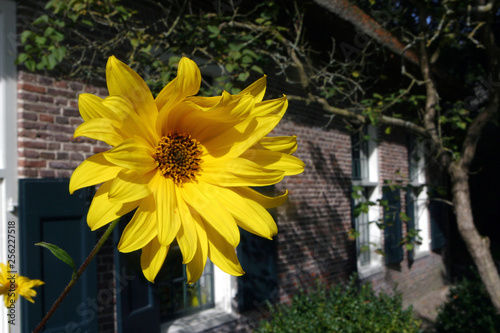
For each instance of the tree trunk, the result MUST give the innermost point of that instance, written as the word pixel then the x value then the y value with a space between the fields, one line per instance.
pixel 477 245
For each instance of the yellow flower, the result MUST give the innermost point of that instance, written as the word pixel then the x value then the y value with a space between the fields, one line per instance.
pixel 13 285
pixel 186 164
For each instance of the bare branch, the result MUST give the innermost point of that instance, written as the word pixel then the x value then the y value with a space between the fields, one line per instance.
pixel 352 13
pixel 356 117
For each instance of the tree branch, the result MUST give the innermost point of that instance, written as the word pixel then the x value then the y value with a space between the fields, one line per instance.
pixel 364 22
pixel 358 118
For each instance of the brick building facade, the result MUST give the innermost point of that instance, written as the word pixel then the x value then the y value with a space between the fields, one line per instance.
pixel 312 243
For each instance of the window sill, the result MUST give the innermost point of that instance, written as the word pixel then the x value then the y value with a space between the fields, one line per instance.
pixel 364 183
pixel 365 272
pixel 199 322
pixel 421 254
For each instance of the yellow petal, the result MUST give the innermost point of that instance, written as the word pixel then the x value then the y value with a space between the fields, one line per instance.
pixel 204 103
pixel 123 81
pixel 235 140
pixel 132 154
pixel 141 229
pixel 131 124
pixel 202 124
pixel 256 89
pixel 248 214
pixel 187 237
pixel 276 106
pixel 130 186
pixel 239 172
pixel 187 83
pixel 101 129
pixel 202 197
pixel 152 258
pixel 102 211
pixel 282 144
pixel 291 165
pixel 167 211
pixel 94 170
pixel 222 254
pixel 91 107
pixel 25 285
pixel 194 268
pixel 263 200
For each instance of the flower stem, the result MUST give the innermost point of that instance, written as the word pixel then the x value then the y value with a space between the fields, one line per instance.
pixel 76 276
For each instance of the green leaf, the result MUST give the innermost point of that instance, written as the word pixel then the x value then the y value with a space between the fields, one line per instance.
pixel 247 59
pixel 230 67
pixel 59 253
pixel 30 65
pixel 25 35
pixel 214 31
pixel 257 69
pixel 22 57
pixel 52 61
pixel 41 19
pixel 235 47
pixel 243 76
pixel 40 40
pixel 59 53
pixel 234 54
pixel 260 20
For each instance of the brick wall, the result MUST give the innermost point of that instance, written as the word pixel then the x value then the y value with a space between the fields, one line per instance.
pixel 313 225
pixel 47 118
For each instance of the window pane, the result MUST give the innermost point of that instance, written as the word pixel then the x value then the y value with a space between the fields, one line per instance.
pixel 363 227
pixel 359 156
pixel 177 298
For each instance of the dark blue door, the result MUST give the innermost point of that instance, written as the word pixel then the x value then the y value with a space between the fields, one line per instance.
pixel 47 212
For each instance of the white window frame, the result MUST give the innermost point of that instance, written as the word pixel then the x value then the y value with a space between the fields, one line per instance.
pixel 372 187
pixel 420 208
pixel 223 312
pixel 8 142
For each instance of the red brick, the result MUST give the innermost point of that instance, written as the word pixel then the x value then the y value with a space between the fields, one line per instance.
pixel 27 116
pixel 47 173
pixel 27 96
pixel 33 144
pixel 60 84
pixel 28 173
pixel 61 92
pixel 28 153
pixel 33 107
pixel 62 120
pixel 62 165
pixel 32 87
pixel 54 146
pixel 46 118
pixel 47 155
pixel 46 99
pixel 70 112
pixel 32 164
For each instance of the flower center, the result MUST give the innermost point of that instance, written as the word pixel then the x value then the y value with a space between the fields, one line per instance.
pixel 177 156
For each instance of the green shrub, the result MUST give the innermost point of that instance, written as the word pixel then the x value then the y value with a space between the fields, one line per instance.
pixel 468 309
pixel 341 309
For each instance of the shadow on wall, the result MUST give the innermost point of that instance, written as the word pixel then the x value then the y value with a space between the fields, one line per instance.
pixel 313 243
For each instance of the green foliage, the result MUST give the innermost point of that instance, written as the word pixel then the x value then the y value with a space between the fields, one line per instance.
pixel 76 37
pixel 346 308
pixel 468 309
pixel 59 254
